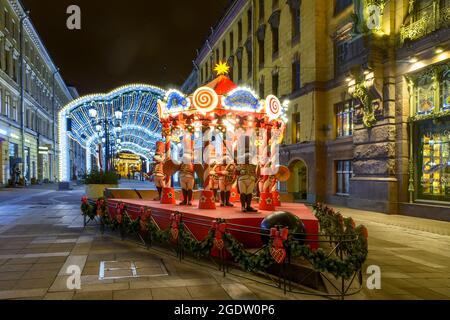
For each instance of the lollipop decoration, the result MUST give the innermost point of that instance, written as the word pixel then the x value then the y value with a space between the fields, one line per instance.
pixel 273 107
pixel 205 100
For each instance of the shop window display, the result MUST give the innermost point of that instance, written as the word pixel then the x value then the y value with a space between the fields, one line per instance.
pixel 425 95
pixel 434 161
pixel 445 91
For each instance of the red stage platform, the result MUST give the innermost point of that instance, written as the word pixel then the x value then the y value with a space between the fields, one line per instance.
pixel 242 226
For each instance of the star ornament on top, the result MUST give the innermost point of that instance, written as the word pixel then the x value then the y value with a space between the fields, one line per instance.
pixel 221 68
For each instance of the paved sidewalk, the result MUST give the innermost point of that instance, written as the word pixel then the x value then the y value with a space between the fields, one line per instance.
pixel 42 235
pixel 38 244
pixel 413 255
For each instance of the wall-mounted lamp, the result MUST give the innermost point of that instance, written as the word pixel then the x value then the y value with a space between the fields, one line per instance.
pixel 351 86
pixel 438 50
pixel 369 78
pixel 413 60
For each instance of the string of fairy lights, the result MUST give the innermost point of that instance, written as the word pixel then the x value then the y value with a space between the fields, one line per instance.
pixel 129 111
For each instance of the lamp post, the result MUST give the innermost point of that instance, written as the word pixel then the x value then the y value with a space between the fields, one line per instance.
pixel 22 105
pixel 106 124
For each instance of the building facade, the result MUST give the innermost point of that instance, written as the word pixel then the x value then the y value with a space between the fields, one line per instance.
pixel 368 85
pixel 191 82
pixel 31 92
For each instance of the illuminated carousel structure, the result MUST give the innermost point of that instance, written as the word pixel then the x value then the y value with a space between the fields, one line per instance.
pixel 223 107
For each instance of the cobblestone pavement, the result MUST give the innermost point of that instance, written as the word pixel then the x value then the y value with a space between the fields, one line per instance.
pixel 41 235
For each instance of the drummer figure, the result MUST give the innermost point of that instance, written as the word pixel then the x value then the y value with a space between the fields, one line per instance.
pixel 226 176
pixel 246 177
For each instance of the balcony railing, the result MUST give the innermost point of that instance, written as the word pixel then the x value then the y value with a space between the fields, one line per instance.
pixel 426 24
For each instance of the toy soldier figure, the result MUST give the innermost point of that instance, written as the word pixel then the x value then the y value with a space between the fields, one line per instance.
pixel 226 174
pixel 187 179
pixel 158 172
pixel 246 182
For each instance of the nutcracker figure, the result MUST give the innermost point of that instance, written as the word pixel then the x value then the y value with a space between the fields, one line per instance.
pixel 158 172
pixel 246 177
pixel 187 180
pixel 227 176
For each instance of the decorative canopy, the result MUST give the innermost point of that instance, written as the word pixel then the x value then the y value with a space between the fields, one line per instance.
pixel 218 99
pixel 137 127
pixel 128 115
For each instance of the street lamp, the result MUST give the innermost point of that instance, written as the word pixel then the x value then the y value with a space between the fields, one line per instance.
pixel 93 112
pixel 104 127
pixel 118 115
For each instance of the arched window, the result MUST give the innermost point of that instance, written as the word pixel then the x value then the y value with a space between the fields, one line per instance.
pixel 425 94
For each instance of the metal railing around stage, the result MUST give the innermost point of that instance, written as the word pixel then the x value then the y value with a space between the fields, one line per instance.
pixel 334 244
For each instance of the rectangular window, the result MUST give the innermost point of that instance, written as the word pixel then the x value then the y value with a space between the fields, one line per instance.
pixel 224 50
pixel 424 94
pixel 13 29
pixel 341 5
pixel 14 70
pixel 13 150
pixel 6 19
pixel 433 155
pixel 7 62
pixel 240 32
pixel 231 42
pixel 295 21
pixel 249 62
pixel 275 4
pixel 261 53
pixel 13 114
pixel 296 75
pixel 261 87
pixel 7 105
pixel 249 21
pixel 344 119
pixel 275 84
pixel 296 127
pixel 239 69
pixel 217 55
pixel 344 173
pixel 275 41
pixel 261 9
pixel 341 52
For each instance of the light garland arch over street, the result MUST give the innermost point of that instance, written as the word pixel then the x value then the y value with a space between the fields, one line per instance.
pixel 127 116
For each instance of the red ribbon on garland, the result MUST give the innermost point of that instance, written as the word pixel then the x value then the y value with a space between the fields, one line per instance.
pixel 278 237
pixel 144 216
pixel 220 228
pixel 99 205
pixel 84 200
pixel 119 212
pixel 175 220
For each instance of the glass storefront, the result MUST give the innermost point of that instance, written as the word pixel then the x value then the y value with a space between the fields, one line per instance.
pixel 431 123
pixel 434 160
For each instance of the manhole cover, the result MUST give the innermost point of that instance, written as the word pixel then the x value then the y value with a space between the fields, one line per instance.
pixel 111 270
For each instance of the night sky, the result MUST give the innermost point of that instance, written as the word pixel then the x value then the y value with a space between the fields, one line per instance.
pixel 145 41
